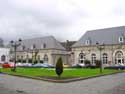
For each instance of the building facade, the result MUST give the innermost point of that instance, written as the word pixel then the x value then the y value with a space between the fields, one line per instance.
pixel 45 49
pixel 106 45
pixel 4 52
pixel 4 55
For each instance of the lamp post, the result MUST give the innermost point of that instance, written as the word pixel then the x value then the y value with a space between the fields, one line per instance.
pixel 27 57
pixel 35 51
pixel 100 48
pixel 15 44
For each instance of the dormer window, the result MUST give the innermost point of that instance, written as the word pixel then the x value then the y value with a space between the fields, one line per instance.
pixel 87 42
pixel 33 46
pixel 43 45
pixel 121 39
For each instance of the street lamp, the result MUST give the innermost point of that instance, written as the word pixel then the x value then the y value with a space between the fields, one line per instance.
pixel 15 44
pixel 35 51
pixel 100 48
pixel 27 57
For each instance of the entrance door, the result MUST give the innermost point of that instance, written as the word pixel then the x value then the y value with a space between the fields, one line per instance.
pixel 119 61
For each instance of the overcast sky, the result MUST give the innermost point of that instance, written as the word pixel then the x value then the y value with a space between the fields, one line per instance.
pixel 63 19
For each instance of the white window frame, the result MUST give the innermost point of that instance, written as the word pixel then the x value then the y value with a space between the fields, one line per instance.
pixel 87 42
pixel 43 46
pixel 105 58
pixel 93 58
pixel 121 39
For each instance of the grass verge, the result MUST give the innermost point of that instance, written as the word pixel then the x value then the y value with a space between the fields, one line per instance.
pixel 50 72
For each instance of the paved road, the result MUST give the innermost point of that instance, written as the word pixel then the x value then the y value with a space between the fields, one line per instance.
pixel 113 84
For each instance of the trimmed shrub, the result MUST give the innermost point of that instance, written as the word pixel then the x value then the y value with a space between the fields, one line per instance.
pixel 19 60
pixel 59 67
pixel 35 62
pixel 29 60
pixel 87 62
pixel 24 61
pixel 41 61
pixel 98 63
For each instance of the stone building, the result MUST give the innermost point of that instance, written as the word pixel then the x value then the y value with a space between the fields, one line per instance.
pixel 46 49
pixel 107 45
pixel 4 55
pixel 4 52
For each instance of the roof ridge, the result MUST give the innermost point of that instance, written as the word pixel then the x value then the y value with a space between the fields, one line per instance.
pixel 106 28
pixel 38 38
pixel 107 36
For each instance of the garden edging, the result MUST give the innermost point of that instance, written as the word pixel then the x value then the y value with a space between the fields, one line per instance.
pixel 61 81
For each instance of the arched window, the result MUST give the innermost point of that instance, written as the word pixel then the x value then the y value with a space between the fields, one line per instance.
pixel 3 58
pixel 93 58
pixel 81 58
pixel 105 58
pixel 45 58
pixel 119 57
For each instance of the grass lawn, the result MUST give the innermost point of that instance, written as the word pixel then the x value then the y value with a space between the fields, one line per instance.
pixel 51 72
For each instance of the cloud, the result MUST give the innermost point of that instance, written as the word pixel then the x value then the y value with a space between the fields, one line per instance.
pixel 64 19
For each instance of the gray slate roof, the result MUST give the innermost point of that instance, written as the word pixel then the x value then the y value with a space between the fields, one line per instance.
pixel 49 41
pixel 106 36
pixel 1 42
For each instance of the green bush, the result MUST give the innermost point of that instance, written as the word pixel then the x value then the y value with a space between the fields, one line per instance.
pixel 35 62
pixel 98 63
pixel 19 60
pixel 59 67
pixel 41 61
pixel 24 61
pixel 29 60
pixel 87 62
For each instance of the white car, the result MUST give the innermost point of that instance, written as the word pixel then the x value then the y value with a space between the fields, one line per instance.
pixel 23 64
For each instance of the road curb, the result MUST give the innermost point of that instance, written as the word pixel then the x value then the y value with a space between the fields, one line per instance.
pixel 61 81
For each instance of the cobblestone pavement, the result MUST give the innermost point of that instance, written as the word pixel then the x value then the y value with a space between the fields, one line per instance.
pixel 112 84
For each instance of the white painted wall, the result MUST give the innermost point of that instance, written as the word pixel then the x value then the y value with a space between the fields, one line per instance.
pixel 4 51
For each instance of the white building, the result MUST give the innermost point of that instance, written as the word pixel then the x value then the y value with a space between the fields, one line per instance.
pixel 4 55
pixel 46 49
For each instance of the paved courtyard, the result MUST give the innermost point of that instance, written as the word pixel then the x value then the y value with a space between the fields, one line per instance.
pixel 113 84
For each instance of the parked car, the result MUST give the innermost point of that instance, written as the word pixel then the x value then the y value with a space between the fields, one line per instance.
pixel 19 64
pixel 43 65
pixel 115 67
pixel 39 65
pixel 49 65
pixel 23 64
pixel 78 66
pixel 6 65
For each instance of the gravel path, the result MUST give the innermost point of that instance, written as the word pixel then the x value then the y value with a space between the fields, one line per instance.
pixel 113 84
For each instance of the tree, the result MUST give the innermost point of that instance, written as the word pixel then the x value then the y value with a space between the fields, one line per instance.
pixel 59 67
